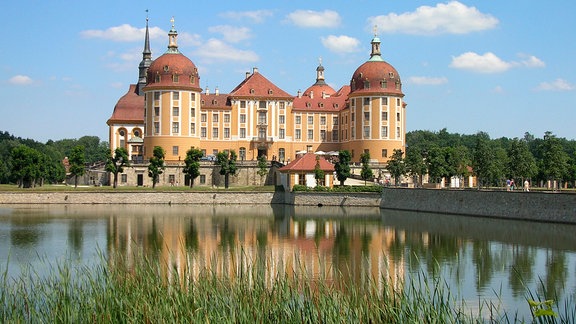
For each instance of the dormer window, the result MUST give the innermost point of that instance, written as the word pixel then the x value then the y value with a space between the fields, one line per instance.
pixel 335 105
pixel 251 91
pixel 214 102
pixel 397 84
pixel 391 75
pixel 166 68
pixel 269 91
pixel 175 78
pixel 320 104
pixel 384 84
pixel 192 80
pixel 157 78
pixel 366 84
pixel 308 105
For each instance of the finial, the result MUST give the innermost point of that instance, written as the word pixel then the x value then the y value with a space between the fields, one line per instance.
pixel 320 60
pixel 375 29
pixel 146 14
pixel 172 21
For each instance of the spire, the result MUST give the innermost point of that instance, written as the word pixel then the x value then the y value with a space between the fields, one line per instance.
pixel 146 60
pixel 172 38
pixel 375 55
pixel 320 73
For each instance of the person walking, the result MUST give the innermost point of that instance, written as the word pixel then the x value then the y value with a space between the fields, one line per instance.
pixel 526 185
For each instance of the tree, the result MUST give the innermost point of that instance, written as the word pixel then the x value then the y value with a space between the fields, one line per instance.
pixel 415 165
pixel 521 163
pixel 342 167
pixel 262 167
pixel 77 163
pixel 156 166
pixel 436 163
pixel 227 163
pixel 192 164
pixel 457 161
pixel 366 172
pixel 318 173
pixel 117 162
pixel 554 162
pixel 25 165
pixel 396 166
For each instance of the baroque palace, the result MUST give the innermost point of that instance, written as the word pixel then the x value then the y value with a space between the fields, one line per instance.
pixel 169 108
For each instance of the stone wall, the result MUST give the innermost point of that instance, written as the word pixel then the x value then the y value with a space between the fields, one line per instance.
pixel 535 206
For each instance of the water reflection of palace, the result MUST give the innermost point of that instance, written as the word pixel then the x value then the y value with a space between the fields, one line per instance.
pixel 321 243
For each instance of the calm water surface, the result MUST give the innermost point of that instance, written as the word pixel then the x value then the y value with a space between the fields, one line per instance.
pixel 479 258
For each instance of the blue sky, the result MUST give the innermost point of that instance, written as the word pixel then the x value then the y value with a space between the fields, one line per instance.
pixel 503 67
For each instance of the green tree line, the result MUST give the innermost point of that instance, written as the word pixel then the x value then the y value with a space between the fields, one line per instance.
pixel 444 155
pixel 29 163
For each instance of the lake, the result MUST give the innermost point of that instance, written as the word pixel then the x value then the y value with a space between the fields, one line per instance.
pixel 479 258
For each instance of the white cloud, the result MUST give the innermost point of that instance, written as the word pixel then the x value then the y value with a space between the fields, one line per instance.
pixel 217 50
pixel 314 19
pixel 124 33
pixel 428 80
pixel 256 16
pixel 232 34
pixel 20 80
pixel 556 85
pixel 341 44
pixel 498 89
pixel 487 63
pixel 490 63
pixel 445 18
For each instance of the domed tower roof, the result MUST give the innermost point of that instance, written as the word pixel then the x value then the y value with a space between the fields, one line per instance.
pixel 376 76
pixel 320 88
pixel 172 69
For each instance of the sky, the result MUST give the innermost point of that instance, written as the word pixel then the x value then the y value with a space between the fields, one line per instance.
pixel 500 67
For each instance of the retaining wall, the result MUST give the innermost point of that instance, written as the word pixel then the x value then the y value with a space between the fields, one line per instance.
pixel 534 206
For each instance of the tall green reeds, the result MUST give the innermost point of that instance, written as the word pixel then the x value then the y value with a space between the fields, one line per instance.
pixel 112 292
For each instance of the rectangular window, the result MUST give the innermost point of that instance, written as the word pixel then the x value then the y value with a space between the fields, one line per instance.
pixel 175 127
pixel 202 179
pixel 384 132
pixel 242 118
pixel 192 97
pixel 203 132
pixel 242 132
pixel 281 133
pixel 298 134
pixel 261 118
pixel 384 115
pixel 397 132
pixel 366 101
pixel 215 132
pixel 322 120
pixel 226 132
pixel 281 105
pixel 262 133
pixel 214 152
pixel 175 111
pixel 175 95
pixel 226 118
pixel 281 119
pixel 192 128
pixel 352 117
pixel 124 178
pixel 334 135
pixel 203 118
pixel 366 131
pixel 335 120
pixel 384 153
pixel 322 135
pixel 397 116
pixel 398 102
pixel 156 111
pixel 156 95
pixel 156 127
pixel 192 112
pixel 262 104
pixel 174 150
pixel 385 101
pixel 310 120
pixel 214 118
pixel 366 116
pixel 242 104
pixel 298 120
pixel 310 134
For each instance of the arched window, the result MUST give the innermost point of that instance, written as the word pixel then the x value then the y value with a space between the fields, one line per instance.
pixel 242 153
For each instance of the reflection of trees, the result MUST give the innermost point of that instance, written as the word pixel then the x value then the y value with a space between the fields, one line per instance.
pixel 192 237
pixel 75 235
pixel 521 269
pixel 227 236
pixel 432 249
pixel 155 238
pixel 25 237
pixel 555 274
pixel 483 261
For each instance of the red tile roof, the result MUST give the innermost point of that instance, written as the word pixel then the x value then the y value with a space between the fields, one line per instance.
pixel 307 162
pixel 215 101
pixel 334 103
pixel 129 108
pixel 256 85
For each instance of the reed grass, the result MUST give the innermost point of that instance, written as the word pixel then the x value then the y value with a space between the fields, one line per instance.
pixel 140 293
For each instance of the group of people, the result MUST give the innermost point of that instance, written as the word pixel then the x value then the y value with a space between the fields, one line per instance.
pixel 510 185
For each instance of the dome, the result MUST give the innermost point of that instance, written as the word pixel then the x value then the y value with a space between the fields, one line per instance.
pixel 376 75
pixel 173 70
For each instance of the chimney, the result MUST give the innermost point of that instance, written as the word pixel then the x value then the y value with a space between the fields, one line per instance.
pixel 299 94
pixel 216 91
pixel 207 90
pixel 254 70
pixel 247 75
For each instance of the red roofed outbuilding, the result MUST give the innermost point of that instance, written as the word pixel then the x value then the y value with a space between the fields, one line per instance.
pixel 301 171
